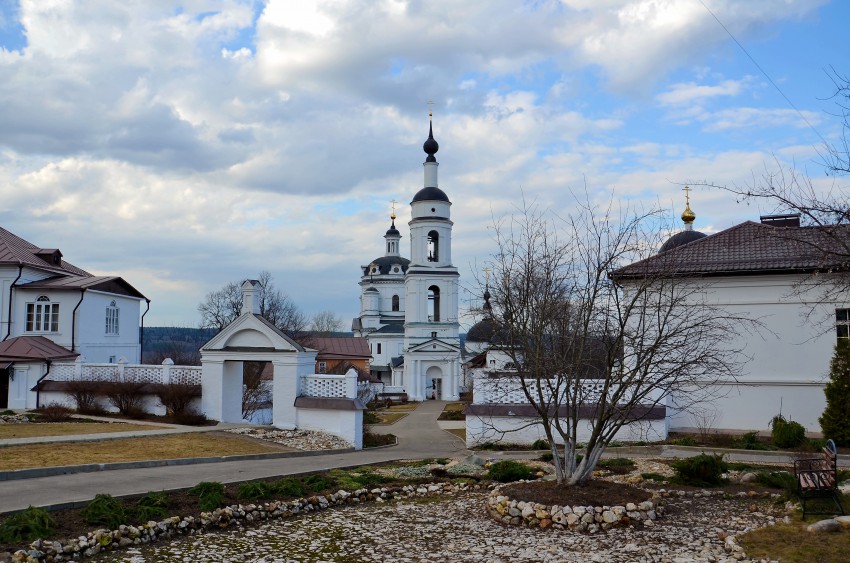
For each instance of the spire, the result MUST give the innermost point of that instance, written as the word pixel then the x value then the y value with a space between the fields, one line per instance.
pixel 688 216
pixel 430 147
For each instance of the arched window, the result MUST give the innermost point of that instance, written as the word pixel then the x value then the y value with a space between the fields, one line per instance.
pixel 434 303
pixel 42 316
pixel 396 306
pixel 433 246
pixel 112 318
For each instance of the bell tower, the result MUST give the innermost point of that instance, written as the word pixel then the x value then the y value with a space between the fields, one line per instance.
pixel 431 342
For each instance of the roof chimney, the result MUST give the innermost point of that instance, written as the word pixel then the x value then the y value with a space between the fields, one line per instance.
pixel 787 220
pixel 251 297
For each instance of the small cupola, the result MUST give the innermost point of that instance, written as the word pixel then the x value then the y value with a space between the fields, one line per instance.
pixel 688 234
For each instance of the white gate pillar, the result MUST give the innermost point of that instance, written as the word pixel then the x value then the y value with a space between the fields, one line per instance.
pixel 288 371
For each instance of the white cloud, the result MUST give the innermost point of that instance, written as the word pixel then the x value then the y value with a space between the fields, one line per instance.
pixel 688 92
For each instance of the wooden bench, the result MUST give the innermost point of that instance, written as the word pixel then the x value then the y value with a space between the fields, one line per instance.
pixel 817 477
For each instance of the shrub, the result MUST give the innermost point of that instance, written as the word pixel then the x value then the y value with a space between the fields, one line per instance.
pixel 617 464
pixel 210 495
pixel 190 418
pixel 289 487
pixel 654 477
pixel 834 422
pixel 27 525
pixel 255 490
pixel 152 506
pixel 370 417
pixel 540 445
pixel 509 470
pixel 750 441
pixel 177 397
pixel 778 480
pixel 317 483
pixel 126 396
pixel 684 441
pixel 54 412
pixel 105 510
pixel 787 433
pixel 84 394
pixel 702 470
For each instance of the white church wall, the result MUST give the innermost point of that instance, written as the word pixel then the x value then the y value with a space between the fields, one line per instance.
pixel 347 424
pixel 93 342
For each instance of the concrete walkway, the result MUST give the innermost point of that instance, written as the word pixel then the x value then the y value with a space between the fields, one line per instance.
pixel 418 437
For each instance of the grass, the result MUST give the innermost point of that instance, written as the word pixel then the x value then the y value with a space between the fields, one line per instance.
pixel 454 407
pixel 402 407
pixel 791 542
pixel 132 449
pixel 35 430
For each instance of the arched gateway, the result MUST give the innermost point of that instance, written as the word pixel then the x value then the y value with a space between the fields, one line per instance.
pixel 325 402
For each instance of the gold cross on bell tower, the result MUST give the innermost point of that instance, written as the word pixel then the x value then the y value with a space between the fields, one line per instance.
pixel 392 216
pixel 430 108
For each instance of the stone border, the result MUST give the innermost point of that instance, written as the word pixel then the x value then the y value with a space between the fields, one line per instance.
pixel 103 540
pixel 589 519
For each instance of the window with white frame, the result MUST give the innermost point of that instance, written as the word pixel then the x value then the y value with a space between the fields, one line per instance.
pixel 842 323
pixel 43 316
pixel 112 318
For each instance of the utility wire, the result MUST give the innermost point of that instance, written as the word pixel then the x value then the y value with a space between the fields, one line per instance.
pixel 758 66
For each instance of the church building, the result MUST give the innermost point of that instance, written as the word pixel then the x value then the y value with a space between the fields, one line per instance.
pixel 409 307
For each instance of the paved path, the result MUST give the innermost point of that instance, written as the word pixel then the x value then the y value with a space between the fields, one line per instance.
pixel 418 436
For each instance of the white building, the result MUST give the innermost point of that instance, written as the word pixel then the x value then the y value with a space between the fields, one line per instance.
pixel 41 294
pixel 764 271
pixel 409 308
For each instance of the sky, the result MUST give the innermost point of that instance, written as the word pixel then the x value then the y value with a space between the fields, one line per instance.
pixel 183 145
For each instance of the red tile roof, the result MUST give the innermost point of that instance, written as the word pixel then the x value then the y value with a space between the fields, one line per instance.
pixel 29 348
pixel 751 248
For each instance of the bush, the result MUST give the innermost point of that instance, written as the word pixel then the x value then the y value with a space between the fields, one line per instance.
pixel 27 525
pixel 750 441
pixel 654 477
pixel 254 491
pixel 105 510
pixel 619 465
pixel 540 445
pixel 509 470
pixel 684 441
pixel 702 470
pixel 152 506
pixel 289 487
pixel 370 417
pixel 126 396
pixel 177 397
pixel 778 480
pixel 317 483
pixel 787 433
pixel 210 495
pixel 190 418
pixel 834 422
pixel 54 412
pixel 84 394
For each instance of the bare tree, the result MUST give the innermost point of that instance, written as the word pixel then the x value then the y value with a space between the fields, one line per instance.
pixel 221 307
pixel 325 323
pixel 822 205
pixel 256 391
pixel 595 345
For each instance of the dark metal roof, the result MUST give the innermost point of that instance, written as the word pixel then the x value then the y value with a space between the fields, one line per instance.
pixel 431 193
pixel 392 328
pixel 385 263
pixel 681 238
pixel 482 331
pixel 751 248
pixel 108 284
pixel 16 251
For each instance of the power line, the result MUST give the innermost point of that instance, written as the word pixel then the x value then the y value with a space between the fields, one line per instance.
pixel 758 66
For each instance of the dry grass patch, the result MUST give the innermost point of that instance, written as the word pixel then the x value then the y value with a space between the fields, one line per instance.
pixel 403 407
pixel 459 432
pixel 390 417
pixel 38 429
pixel 454 407
pixel 175 446
pixel 792 543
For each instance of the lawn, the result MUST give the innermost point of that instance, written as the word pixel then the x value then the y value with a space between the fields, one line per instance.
pixel 390 417
pixel 34 429
pixel 459 432
pixel 791 542
pixel 174 446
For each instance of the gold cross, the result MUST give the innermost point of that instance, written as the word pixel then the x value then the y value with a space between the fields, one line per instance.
pixel 487 275
pixel 393 214
pixel 687 191
pixel 430 107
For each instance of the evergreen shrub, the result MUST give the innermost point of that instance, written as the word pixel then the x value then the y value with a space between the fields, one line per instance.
pixel 701 471
pixel 787 433
pixel 509 470
pixel 27 525
pixel 835 422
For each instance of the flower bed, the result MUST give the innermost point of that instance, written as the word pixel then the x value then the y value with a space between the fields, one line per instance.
pixel 590 519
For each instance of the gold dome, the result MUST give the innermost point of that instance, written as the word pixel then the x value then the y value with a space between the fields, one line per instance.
pixel 688 215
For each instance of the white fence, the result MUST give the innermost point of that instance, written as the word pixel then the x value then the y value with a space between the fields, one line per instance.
pixel 324 385
pixel 509 390
pixel 165 373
